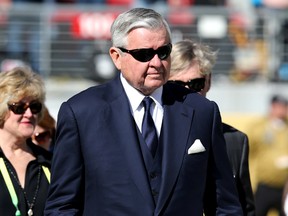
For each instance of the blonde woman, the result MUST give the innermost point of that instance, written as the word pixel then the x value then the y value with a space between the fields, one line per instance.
pixel 24 174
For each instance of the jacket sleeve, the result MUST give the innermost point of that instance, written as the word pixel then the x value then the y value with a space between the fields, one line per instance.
pixel 238 153
pixel 244 176
pixel 65 193
pixel 227 200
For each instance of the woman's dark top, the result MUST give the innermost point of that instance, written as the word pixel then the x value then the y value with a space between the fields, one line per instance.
pixel 43 158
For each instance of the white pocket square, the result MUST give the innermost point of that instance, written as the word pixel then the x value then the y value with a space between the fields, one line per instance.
pixel 196 147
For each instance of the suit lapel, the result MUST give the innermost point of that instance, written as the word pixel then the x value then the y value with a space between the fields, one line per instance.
pixel 125 129
pixel 176 127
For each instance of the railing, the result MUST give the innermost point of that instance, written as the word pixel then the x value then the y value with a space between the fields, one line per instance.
pixel 58 40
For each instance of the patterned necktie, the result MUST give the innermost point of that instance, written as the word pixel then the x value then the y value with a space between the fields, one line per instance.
pixel 148 127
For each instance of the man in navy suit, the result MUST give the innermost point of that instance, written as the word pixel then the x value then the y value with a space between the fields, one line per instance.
pixel 102 164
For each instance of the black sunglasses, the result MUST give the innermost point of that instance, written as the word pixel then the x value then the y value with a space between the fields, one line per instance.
pixel 20 107
pixel 145 55
pixel 42 137
pixel 195 84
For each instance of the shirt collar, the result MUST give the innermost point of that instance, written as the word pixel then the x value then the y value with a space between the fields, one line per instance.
pixel 135 97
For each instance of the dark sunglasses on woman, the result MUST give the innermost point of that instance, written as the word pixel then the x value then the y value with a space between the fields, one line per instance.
pixel 195 84
pixel 146 54
pixel 20 108
pixel 41 137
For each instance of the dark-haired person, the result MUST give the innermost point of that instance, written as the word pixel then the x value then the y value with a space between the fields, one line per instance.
pixel 45 131
pixel 24 166
pixel 191 67
pixel 134 145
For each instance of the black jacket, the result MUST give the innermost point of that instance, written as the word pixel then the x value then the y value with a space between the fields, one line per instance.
pixel 237 145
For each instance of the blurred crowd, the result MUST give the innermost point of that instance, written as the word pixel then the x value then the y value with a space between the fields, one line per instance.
pixel 242 24
pixel 257 3
pixel 277 4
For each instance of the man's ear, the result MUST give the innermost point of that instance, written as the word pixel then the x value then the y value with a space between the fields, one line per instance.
pixel 115 56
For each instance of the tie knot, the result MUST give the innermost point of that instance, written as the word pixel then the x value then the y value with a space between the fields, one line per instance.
pixel 147 102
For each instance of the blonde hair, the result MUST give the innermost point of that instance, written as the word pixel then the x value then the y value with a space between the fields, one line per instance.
pixel 19 83
pixel 186 53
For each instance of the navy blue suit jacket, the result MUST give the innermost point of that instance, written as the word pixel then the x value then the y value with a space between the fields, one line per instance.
pixel 98 168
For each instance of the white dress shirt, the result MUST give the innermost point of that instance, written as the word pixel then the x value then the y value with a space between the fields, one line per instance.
pixel 135 98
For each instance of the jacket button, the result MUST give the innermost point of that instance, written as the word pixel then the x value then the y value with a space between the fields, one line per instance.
pixel 153 175
pixel 154 193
